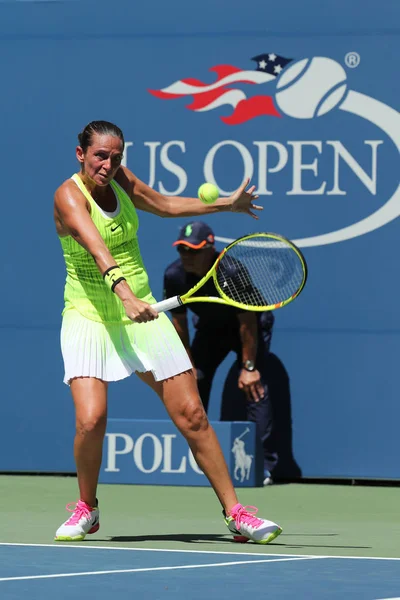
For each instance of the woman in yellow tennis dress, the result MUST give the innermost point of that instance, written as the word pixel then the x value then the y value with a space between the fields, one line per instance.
pixel 110 329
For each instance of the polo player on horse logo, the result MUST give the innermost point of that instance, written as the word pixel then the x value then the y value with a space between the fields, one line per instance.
pixel 243 461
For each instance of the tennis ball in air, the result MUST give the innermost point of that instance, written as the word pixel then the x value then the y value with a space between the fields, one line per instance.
pixel 311 88
pixel 208 193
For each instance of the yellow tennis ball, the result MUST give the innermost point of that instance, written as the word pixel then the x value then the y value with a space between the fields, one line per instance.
pixel 208 193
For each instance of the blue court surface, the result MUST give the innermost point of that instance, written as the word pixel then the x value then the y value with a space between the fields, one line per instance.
pixel 37 572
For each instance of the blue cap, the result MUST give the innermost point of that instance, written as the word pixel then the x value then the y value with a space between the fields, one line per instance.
pixel 196 235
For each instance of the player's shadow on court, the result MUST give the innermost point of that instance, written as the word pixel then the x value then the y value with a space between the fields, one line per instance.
pixel 189 538
pixel 204 538
pixel 233 408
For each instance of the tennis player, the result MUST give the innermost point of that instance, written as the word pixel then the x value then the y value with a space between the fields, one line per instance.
pixel 218 330
pixel 110 329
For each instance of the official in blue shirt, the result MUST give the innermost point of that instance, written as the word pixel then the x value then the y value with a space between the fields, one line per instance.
pixel 219 330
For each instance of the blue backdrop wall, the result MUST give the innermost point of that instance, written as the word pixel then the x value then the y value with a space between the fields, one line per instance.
pixel 319 139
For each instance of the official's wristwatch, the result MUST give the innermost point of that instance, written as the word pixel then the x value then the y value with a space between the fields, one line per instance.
pixel 249 365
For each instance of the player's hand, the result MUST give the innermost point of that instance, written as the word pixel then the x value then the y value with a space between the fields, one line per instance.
pixel 250 383
pixel 139 311
pixel 242 200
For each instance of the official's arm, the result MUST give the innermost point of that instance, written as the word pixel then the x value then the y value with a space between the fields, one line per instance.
pixel 249 381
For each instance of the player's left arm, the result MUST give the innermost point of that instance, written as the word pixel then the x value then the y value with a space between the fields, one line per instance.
pixel 249 381
pixel 149 200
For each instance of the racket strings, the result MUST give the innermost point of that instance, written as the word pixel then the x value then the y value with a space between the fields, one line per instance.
pixel 260 272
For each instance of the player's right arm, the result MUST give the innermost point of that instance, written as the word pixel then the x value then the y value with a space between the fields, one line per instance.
pixel 72 217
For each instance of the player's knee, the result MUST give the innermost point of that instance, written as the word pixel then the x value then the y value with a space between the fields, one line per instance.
pixel 91 424
pixel 194 419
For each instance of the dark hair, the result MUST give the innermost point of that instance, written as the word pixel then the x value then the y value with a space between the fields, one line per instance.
pixel 100 127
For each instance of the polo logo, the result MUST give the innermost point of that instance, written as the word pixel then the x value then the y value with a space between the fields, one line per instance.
pixel 243 461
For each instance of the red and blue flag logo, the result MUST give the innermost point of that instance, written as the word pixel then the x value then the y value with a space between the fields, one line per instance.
pixel 225 90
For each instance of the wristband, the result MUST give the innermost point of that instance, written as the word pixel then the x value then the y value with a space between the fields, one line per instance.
pixel 113 276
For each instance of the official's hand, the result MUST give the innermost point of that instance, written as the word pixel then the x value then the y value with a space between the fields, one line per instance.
pixel 242 200
pixel 250 383
pixel 139 311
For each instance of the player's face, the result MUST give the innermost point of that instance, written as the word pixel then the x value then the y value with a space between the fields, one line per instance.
pixel 196 261
pixel 102 159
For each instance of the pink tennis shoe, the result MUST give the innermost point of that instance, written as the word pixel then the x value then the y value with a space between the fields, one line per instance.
pixel 245 526
pixel 242 522
pixel 84 519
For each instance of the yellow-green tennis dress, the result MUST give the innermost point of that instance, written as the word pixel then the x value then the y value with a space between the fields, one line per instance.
pixel 97 338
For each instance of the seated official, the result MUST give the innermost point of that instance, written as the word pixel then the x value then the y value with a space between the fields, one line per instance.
pixel 219 330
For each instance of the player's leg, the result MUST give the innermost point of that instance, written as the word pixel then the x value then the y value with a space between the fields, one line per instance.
pixel 182 401
pixel 90 400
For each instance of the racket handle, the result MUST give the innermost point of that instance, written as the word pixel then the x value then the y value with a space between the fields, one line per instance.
pixel 167 304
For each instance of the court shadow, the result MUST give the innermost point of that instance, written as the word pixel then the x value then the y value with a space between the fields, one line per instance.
pixel 311 534
pixel 206 538
pixel 346 547
pixel 189 538
pixel 279 386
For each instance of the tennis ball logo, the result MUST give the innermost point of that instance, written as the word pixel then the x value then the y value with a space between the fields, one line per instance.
pixel 311 88
pixel 208 193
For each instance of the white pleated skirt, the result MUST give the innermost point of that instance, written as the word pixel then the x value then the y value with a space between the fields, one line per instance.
pixel 113 351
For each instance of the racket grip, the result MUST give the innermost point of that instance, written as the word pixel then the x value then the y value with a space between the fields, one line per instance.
pixel 167 304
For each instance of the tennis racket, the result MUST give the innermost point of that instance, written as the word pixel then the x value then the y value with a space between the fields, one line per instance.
pixel 258 272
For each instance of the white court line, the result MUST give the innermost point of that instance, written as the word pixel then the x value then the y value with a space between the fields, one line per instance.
pixel 173 568
pixel 135 549
pixel 84 546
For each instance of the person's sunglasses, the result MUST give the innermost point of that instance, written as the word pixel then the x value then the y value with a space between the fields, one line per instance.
pixel 183 249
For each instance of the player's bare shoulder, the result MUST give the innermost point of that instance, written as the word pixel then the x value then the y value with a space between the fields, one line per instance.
pixel 67 197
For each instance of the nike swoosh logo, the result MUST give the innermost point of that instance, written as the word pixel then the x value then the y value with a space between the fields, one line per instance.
pixel 116 227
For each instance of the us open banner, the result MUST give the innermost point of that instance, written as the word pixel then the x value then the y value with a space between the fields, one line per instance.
pixel 301 97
